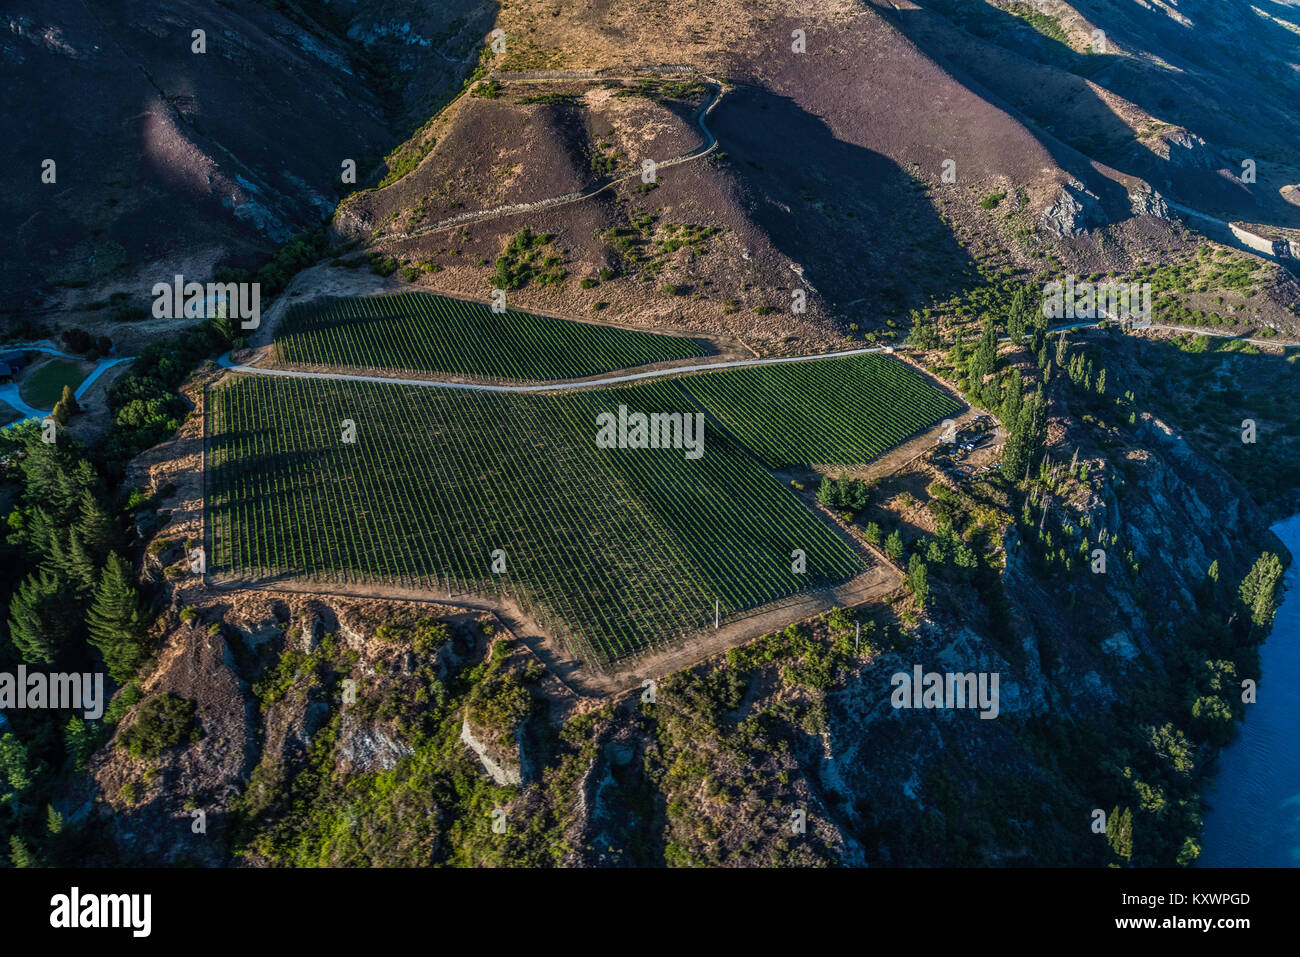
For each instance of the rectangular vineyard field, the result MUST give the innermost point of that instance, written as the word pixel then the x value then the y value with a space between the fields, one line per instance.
pixel 615 549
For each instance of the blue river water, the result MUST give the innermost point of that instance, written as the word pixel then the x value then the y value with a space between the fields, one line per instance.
pixel 1253 813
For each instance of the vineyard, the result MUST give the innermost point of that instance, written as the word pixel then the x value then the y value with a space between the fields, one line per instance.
pixel 420 333
pixel 832 412
pixel 615 550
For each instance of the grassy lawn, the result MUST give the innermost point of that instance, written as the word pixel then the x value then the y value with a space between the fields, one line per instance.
pixel 42 385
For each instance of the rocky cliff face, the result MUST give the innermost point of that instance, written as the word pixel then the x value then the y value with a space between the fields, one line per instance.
pixel 267 675
pixel 1072 650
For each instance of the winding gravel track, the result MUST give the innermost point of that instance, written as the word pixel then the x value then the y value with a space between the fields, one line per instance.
pixel 514 209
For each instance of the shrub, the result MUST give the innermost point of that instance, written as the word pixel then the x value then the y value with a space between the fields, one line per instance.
pixel 120 704
pixel 499 703
pixel 894 546
pixel 382 265
pixel 163 721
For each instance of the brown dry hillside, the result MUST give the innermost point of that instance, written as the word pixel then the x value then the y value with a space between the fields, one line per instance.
pixel 836 128
pixel 827 176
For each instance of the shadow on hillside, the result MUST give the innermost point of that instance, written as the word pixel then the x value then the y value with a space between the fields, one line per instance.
pixel 1080 125
pixel 861 227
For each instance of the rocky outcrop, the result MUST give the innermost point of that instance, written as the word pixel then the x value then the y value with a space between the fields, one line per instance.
pixel 1186 150
pixel 365 747
pixel 499 766
pixel 1145 201
pixel 1074 211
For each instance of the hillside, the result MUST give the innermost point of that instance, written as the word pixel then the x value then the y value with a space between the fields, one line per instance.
pixel 388 576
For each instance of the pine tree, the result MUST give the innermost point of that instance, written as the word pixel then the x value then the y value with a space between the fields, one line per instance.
pixel 1038 327
pixel 988 347
pixel 957 355
pixel 19 855
pixel 1013 397
pixel 69 400
pixel 894 546
pixel 79 741
pixel 984 361
pixel 38 618
pixel 43 465
pixel 1013 451
pixel 1024 445
pixel 826 491
pixel 1258 590
pixel 95 526
pixel 33 529
pixel 116 621
pixel 859 495
pixel 16 773
pixel 1017 315
pixel 78 566
pixel 1035 436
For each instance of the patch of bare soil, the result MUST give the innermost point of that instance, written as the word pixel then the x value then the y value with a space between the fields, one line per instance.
pixel 159 159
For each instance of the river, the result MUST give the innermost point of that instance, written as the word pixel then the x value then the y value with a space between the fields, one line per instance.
pixel 1253 813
